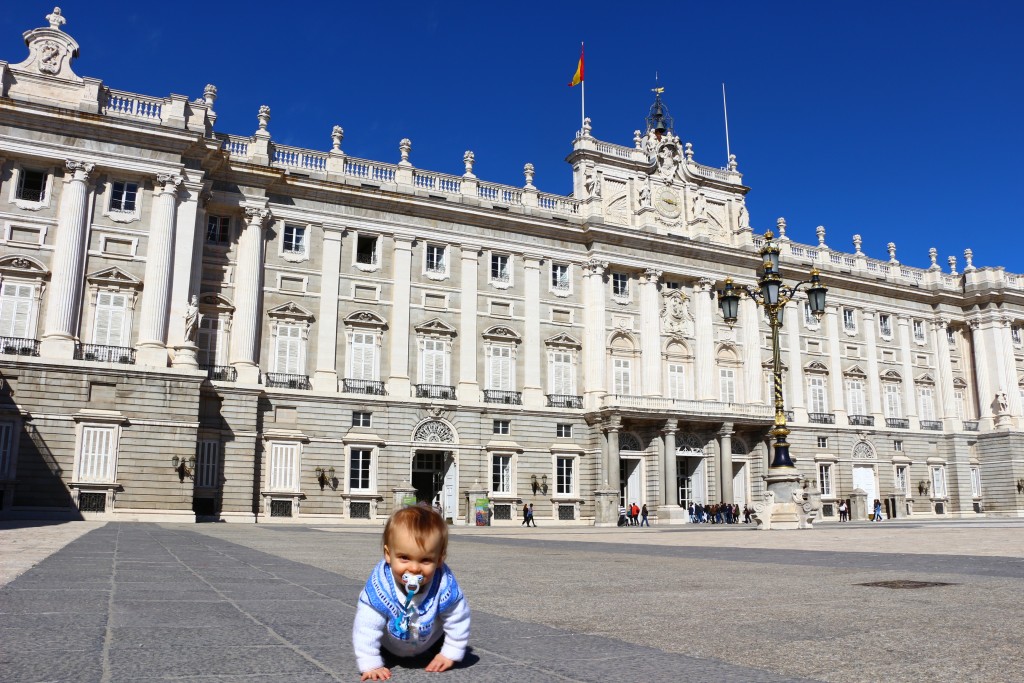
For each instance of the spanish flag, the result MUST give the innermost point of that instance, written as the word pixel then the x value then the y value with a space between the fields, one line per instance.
pixel 577 77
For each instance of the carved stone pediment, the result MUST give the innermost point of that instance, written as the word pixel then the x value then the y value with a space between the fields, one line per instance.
pixel 114 277
pixel 217 302
pixel 924 378
pixel 365 319
pixel 290 311
pixel 502 333
pixel 50 50
pixel 892 376
pixel 816 366
pixel 676 319
pixel 23 266
pixel 564 340
pixel 855 371
pixel 436 326
pixel 959 383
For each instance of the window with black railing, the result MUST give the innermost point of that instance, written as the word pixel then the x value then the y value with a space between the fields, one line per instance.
pixel 363 386
pixel 220 373
pixel 790 416
pixel 438 391
pixel 564 401
pixel 862 420
pixel 19 346
pixel 506 397
pixel 931 424
pixel 277 380
pixel 897 422
pixel 32 186
pixel 105 354
pixel 970 425
pixel 822 418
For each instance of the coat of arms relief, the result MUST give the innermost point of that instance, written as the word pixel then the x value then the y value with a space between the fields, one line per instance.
pixel 676 319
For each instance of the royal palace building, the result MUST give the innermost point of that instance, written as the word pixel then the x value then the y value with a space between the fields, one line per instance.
pixel 197 325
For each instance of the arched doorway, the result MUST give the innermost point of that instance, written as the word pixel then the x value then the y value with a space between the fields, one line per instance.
pixel 434 468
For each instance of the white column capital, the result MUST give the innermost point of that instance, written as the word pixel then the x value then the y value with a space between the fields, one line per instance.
pixel 257 217
pixel 81 169
pixel 705 284
pixel 169 182
pixel 650 276
pixel 595 267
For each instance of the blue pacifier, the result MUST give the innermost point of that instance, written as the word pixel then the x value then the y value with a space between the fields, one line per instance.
pixel 412 582
pixel 412 585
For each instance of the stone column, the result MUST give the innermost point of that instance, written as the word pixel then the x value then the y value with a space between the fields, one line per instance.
pixel 725 462
pixel 1001 332
pixel 669 496
pixel 245 328
pixel 594 333
pixel 533 391
pixel 189 239
pixel 156 294
pixel 874 385
pixel 606 496
pixel 325 377
pixel 704 341
pixel 753 376
pixel 650 334
pixel 947 410
pixel 983 379
pixel 794 397
pixel 64 301
pixel 611 465
pixel 469 387
pixel 398 382
pixel 907 368
pixel 835 363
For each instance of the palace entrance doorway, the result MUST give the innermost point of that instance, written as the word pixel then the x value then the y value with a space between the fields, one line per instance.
pixel 434 476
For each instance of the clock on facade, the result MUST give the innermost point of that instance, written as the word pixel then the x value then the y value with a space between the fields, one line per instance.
pixel 667 203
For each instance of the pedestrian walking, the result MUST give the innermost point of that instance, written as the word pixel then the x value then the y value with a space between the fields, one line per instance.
pixel 643 516
pixel 844 512
pixel 526 515
pixel 878 510
pixel 530 517
pixel 622 516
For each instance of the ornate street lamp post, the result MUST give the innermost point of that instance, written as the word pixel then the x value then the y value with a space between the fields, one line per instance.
pixel 773 296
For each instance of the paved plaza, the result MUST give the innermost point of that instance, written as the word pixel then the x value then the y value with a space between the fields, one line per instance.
pixel 145 602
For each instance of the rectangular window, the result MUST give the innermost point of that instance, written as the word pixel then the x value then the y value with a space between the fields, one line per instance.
pixel 122 196
pixel 282 467
pixel 434 362
pixel 902 480
pixel 563 431
pixel 564 484
pixel 563 382
pixel 822 442
pixel 673 284
pixel 939 481
pixel 950 337
pixel 897 445
pixel 500 271
pixel 6 449
pixel 560 277
pixel 501 474
pixel 676 380
pixel 620 285
pixel 816 394
pixel 499 375
pixel 361 418
pixel 294 239
pixel 810 320
pixel 976 482
pixel 884 325
pixel 961 404
pixel 825 479
pixel 893 404
pixel 1015 335
pixel 726 385
pixel 96 459
pixel 209 339
pixel 17 304
pixel 502 427
pixel 856 404
pixel 218 229
pixel 363 356
pixel 926 403
pixel 32 185
pixel 111 316
pixel 359 469
pixel 622 380
pixel 207 464
pixel 436 259
pixel 918 331
pixel 366 250
pixel 288 353
pixel 849 320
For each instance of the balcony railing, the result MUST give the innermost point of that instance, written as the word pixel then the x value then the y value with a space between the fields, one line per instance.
pixel 363 386
pixel 689 406
pixel 897 422
pixel 822 418
pixel 514 398
pixel 931 424
pixel 970 425
pixel 19 346
pixel 220 373
pixel 438 391
pixel 276 380
pixel 564 401
pixel 790 416
pixel 862 420
pixel 105 354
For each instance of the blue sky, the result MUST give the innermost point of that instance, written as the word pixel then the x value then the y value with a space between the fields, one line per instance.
pixel 894 120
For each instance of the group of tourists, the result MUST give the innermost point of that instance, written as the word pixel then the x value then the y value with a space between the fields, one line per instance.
pixel 723 513
pixel 633 515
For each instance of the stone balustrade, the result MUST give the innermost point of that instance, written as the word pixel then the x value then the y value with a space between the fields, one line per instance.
pixel 688 407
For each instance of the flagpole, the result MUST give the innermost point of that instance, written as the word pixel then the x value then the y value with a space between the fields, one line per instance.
pixel 725 111
pixel 583 90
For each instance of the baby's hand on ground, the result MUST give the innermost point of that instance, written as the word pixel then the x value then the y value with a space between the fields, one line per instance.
pixel 440 663
pixel 381 673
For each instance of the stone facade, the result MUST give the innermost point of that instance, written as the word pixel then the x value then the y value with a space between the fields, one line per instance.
pixel 211 326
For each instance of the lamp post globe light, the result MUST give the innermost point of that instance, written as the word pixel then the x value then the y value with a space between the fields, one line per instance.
pixel 771 294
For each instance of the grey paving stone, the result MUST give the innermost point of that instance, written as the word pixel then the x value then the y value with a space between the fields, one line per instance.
pixel 144 613
pixel 171 660
pixel 189 637
pixel 81 667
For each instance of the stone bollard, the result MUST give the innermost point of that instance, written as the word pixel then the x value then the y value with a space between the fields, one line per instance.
pixel 859 505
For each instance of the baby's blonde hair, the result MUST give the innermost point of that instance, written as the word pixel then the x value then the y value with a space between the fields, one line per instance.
pixel 422 522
